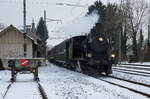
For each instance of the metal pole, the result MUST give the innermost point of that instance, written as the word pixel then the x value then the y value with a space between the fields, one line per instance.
pixel 24 21
pixel 45 16
pixel 149 31
pixel 120 48
pixel 120 36
pixel 45 34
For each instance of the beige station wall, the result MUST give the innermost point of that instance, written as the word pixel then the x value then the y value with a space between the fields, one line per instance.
pixel 12 45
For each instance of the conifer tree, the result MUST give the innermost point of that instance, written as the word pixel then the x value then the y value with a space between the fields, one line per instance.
pixel 42 31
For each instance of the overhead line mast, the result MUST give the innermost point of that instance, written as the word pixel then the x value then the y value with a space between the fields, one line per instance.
pixel 24 21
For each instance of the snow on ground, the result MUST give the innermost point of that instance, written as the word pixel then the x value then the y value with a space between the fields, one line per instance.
pixel 143 63
pixel 4 82
pixel 141 79
pixel 136 78
pixel 130 85
pixel 26 88
pixel 132 69
pixel 60 83
pixel 140 63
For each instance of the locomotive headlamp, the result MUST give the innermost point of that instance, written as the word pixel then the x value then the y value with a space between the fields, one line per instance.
pixel 100 39
pixel 113 55
pixel 89 55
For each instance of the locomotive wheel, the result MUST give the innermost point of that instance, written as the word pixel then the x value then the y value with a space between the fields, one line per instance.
pixel 108 70
pixel 70 66
pixel 106 73
pixel 78 67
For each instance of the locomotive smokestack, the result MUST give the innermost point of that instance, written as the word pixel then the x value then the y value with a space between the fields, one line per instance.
pixel 99 27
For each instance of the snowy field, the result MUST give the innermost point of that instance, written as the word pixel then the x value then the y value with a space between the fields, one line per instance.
pixel 60 83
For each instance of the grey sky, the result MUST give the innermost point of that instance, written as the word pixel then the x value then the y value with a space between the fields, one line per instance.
pixel 11 11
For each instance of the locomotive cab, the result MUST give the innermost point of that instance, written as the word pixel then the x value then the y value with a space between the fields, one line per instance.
pixel 77 46
pixel 97 54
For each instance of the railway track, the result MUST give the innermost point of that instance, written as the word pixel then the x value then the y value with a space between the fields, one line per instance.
pixel 131 89
pixel 136 65
pixel 114 81
pixel 127 84
pixel 132 73
pixel 142 89
pixel 142 72
pixel 8 87
pixel 138 83
pixel 133 69
pixel 39 86
pixel 41 90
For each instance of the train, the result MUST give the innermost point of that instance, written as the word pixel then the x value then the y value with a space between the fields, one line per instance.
pixel 83 53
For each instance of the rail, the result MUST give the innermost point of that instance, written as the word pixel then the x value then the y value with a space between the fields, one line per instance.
pixel 44 96
pixel 123 86
pixel 136 65
pixel 40 88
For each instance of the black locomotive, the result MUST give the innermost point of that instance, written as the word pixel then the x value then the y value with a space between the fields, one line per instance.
pixel 83 53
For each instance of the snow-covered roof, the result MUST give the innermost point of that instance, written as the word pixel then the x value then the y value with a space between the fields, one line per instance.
pixel 1 30
pixel 30 36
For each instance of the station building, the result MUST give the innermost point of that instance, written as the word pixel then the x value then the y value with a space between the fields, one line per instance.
pixel 12 44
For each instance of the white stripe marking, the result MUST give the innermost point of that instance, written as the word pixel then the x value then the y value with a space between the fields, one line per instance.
pixel 24 62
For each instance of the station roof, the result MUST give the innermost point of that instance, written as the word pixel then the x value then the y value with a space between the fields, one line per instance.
pixel 29 35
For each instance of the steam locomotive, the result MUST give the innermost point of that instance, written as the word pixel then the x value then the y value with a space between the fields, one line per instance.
pixel 83 53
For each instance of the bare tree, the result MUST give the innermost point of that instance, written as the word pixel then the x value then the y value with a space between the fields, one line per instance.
pixel 139 7
pixel 135 13
pixel 125 27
